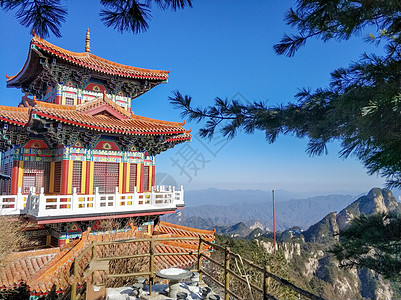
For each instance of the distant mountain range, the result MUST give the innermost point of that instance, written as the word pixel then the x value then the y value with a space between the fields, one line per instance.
pixel 212 207
pixel 306 252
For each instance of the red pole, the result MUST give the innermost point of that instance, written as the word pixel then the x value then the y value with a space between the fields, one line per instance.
pixel 274 227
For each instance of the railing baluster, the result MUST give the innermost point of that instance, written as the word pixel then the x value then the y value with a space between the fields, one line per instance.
pixel 266 282
pixel 200 250
pixel 151 263
pixel 227 274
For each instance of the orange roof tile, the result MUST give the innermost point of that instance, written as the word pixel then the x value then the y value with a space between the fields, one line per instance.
pixel 179 230
pixel 96 63
pixel 40 269
pixel 133 125
pixel 14 115
pixel 130 124
pixel 24 265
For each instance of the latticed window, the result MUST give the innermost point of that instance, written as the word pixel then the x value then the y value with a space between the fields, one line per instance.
pixel 146 178
pixel 69 100
pixel 6 169
pixel 36 174
pixel 57 177
pixel 77 175
pixel 106 176
pixel 132 177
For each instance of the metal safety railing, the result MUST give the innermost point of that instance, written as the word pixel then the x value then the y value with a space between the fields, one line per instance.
pixel 199 251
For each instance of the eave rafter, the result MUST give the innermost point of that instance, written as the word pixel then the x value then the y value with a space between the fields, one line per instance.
pixel 55 133
pixel 12 135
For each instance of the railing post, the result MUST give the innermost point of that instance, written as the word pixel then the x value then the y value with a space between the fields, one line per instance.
pixel 41 202
pixel 20 201
pixel 135 197
pixel 96 198
pixel 74 199
pixel 200 250
pixel 75 280
pixel 94 255
pixel 116 198
pixel 227 274
pixel 152 197
pixel 151 263
pixel 266 282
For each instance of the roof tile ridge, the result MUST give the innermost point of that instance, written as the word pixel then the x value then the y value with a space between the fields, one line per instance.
pixel 147 119
pixel 45 43
pixel 117 107
pixel 57 262
pixel 132 68
pixel 180 244
pixel 53 105
pixel 32 253
pixel 85 105
pixel 22 257
pixel 163 223
pixel 14 108
pixel 93 56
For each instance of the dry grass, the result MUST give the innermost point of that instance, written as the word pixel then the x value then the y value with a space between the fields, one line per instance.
pixel 12 237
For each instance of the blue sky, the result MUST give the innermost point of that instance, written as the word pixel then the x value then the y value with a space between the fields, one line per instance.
pixel 216 49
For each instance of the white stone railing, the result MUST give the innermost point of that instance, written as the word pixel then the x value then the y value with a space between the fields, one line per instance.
pixel 46 206
pixel 13 204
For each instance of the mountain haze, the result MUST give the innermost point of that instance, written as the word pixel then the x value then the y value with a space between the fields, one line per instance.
pixel 307 253
pixel 226 208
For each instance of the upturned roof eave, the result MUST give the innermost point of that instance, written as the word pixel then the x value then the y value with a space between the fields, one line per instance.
pixel 17 79
pixel 75 58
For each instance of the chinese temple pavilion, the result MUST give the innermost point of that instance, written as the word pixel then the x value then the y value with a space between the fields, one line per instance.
pixel 73 151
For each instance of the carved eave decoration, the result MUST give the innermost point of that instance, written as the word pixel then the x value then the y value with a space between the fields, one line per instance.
pixel 48 65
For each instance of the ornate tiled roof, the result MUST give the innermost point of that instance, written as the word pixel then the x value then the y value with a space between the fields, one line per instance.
pixel 40 269
pixel 179 230
pixel 82 116
pixel 14 115
pixel 24 265
pixel 89 61
pixel 133 125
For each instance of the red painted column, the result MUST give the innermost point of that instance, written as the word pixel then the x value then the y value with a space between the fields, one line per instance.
pixel 153 176
pixel 88 178
pixel 125 178
pixel 59 99
pixel 64 178
pixel 14 178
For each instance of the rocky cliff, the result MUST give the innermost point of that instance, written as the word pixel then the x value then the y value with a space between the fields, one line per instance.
pixel 314 267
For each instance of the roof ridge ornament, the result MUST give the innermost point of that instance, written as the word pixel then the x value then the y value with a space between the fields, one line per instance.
pixel 88 42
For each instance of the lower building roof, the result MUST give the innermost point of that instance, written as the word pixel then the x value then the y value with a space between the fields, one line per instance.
pixel 40 269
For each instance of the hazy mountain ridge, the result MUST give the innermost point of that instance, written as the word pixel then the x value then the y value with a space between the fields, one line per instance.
pixel 306 252
pixel 249 210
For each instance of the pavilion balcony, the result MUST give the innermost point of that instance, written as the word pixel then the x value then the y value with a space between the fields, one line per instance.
pixel 58 208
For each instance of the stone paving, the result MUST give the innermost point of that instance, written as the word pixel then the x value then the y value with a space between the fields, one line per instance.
pixel 159 292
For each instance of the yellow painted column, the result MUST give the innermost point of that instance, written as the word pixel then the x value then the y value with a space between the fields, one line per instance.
pixel 69 188
pixel 150 177
pixel 83 178
pixel 51 183
pixel 138 177
pixel 127 180
pixel 20 173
